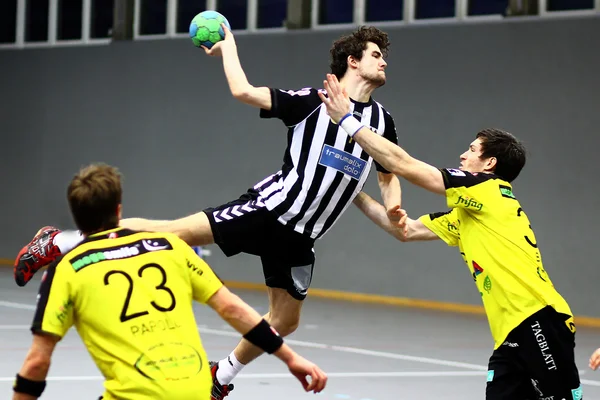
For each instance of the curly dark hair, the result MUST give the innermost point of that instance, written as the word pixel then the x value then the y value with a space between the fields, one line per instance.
pixel 354 45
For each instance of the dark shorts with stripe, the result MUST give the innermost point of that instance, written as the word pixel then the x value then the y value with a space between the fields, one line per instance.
pixel 536 361
pixel 245 225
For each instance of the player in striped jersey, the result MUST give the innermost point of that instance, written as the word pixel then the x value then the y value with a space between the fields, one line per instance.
pixel 280 218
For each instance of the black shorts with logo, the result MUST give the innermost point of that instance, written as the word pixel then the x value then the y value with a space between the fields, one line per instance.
pixel 245 225
pixel 536 361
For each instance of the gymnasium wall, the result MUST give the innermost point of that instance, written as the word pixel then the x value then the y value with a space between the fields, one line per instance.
pixel 161 112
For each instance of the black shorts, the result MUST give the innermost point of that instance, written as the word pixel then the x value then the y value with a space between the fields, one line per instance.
pixel 245 225
pixel 536 361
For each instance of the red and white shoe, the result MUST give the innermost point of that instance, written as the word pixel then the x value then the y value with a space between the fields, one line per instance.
pixel 38 253
pixel 218 391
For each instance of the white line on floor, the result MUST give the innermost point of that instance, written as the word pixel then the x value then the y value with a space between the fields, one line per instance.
pixel 14 327
pixel 381 354
pixel 17 305
pixel 300 343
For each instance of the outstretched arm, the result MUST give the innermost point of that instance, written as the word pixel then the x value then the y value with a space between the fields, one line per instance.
pixel 240 88
pixel 407 230
pixel 390 156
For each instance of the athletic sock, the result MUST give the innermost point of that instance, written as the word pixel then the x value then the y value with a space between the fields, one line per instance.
pixel 67 240
pixel 228 368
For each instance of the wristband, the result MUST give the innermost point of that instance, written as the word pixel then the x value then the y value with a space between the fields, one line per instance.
pixel 344 117
pixel 27 386
pixel 350 124
pixel 265 337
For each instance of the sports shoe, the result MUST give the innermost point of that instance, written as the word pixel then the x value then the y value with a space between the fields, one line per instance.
pixel 218 391
pixel 39 252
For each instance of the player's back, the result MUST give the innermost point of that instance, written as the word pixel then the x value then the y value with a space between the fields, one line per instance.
pixel 131 295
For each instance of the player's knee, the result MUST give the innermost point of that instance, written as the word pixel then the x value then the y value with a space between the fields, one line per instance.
pixel 285 326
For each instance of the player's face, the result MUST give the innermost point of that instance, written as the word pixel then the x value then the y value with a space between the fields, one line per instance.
pixel 372 65
pixel 470 160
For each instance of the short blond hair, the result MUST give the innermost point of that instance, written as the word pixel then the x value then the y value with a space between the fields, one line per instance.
pixel 94 196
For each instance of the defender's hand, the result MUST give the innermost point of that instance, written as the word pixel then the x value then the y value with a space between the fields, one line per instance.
pixel 337 100
pixel 399 218
pixel 301 368
pixel 595 359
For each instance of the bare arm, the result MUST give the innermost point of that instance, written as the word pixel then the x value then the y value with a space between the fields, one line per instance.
pixel 409 230
pixel 390 156
pixel 37 361
pixel 234 310
pixel 391 191
pixel 398 161
pixel 240 88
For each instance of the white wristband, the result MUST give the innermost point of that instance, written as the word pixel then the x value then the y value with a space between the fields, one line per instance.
pixel 351 125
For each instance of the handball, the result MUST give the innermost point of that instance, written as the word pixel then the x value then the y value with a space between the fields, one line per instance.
pixel 206 29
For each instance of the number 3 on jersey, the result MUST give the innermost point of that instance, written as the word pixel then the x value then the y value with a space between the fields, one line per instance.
pixel 161 287
pixel 533 243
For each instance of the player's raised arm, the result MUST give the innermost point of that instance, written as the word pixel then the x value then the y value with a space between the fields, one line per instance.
pixel 240 88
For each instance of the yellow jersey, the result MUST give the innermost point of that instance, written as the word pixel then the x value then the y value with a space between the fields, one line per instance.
pixel 494 236
pixel 129 295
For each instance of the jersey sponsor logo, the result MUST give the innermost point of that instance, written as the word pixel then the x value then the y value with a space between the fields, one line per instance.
pixel 476 270
pixel 170 361
pixel 150 245
pixel 61 313
pixel 455 172
pixel 229 213
pixel 342 161
pixel 194 268
pixel 571 324
pixel 119 252
pixel 577 393
pixel 301 92
pixel 506 191
pixel 487 284
pixel 490 375
pixel 536 386
pixel 452 227
pixel 543 344
pixel 468 203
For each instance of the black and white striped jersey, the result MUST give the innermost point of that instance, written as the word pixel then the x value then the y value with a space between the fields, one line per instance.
pixel 323 168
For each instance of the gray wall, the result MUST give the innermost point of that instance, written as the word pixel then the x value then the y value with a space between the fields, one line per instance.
pixel 161 111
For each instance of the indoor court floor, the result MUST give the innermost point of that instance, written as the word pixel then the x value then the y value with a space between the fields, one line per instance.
pixel 370 352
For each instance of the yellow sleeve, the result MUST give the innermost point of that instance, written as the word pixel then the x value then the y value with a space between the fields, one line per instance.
pixel 443 224
pixel 204 281
pixel 54 311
